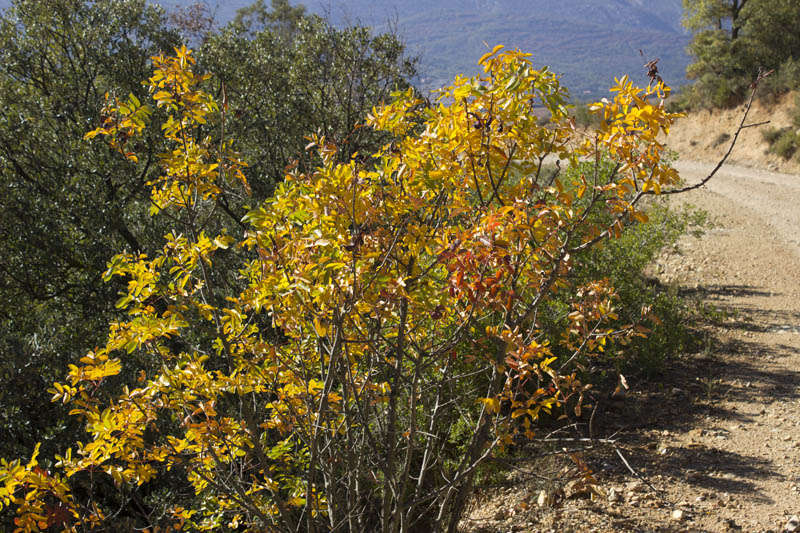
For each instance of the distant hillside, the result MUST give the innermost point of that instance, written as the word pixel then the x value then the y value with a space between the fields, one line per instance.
pixel 588 41
pixel 704 135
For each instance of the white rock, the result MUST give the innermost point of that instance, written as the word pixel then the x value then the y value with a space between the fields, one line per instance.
pixel 792 525
pixel 677 515
pixel 543 499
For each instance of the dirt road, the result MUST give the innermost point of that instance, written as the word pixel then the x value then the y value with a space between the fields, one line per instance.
pixel 742 455
pixel 773 197
pixel 717 443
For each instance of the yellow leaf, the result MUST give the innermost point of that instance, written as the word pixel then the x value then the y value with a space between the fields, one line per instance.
pixel 487 55
pixel 223 241
pixel 94 133
pixel 462 92
pixel 492 404
pixel 319 328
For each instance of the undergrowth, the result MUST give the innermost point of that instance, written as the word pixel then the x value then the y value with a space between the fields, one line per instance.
pixel 785 142
pixel 624 261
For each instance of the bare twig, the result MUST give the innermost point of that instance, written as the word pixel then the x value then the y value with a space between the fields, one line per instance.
pixel 741 127
pixel 659 492
pixel 591 418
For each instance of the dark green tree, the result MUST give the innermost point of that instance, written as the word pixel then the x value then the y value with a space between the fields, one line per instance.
pixel 722 15
pixel 735 39
pixel 773 32
pixel 282 18
pixel 65 205
pixel 286 75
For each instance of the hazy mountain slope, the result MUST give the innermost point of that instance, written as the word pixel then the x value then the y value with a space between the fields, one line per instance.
pixel 588 41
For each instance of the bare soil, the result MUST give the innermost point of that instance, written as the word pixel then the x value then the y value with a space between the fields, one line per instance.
pixel 706 135
pixel 714 444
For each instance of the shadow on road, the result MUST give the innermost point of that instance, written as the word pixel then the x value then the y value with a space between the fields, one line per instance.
pixel 669 426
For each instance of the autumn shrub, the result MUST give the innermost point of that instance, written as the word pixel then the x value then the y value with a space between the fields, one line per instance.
pixel 390 323
pixel 624 262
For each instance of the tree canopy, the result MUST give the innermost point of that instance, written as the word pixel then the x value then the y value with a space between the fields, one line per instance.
pixel 733 40
pixel 65 204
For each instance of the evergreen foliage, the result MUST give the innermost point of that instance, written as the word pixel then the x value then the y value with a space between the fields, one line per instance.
pixel 734 40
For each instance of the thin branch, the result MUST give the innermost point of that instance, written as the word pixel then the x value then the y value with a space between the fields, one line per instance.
pixel 659 492
pixel 722 161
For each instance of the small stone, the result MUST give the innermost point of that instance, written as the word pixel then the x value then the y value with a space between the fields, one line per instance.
pixel 577 489
pixel 792 525
pixel 677 515
pixel 543 499
pixel 501 514
pixel 613 495
pixel 731 525
pixel 635 486
pixel 696 433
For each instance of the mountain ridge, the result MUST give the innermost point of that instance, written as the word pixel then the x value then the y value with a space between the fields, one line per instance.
pixel 588 42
